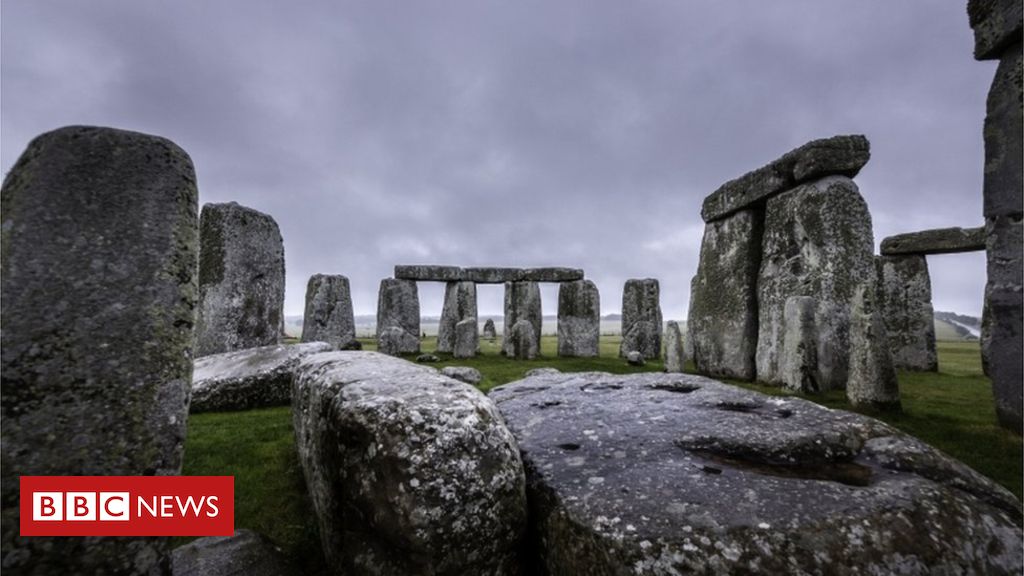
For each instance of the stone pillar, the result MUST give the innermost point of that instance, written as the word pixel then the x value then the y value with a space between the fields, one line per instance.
pixel 641 318
pixel 329 317
pixel 398 317
pixel 675 355
pixel 241 280
pixel 459 304
pixel 997 36
pixel 818 243
pixel 467 338
pixel 579 319
pixel 872 380
pixel 522 302
pixel 99 285
pixel 723 297
pixel 489 331
pixel 905 302
pixel 799 363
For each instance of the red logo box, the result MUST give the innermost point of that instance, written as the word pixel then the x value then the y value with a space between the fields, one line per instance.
pixel 127 505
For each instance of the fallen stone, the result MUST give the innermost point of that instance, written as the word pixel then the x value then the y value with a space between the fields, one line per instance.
pixel 398 306
pixel 635 358
pixel 723 297
pixel 818 243
pixel 394 341
pixel 241 280
pixel 800 345
pixel 521 342
pixel 938 241
pixel 838 155
pixel 99 283
pixel 459 304
pixel 465 374
pixel 244 554
pixel 467 339
pixel 328 316
pixel 247 379
pixel 678 474
pixel 579 319
pixel 675 355
pixel 905 301
pixel 489 331
pixel 409 472
pixel 641 318
pixel 522 302
pixel 872 379
pixel 427 358
pixel 996 24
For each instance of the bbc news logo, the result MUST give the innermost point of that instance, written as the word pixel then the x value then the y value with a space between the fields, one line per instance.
pixel 127 505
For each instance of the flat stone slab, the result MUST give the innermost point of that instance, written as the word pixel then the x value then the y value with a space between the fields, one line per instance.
pixel 246 553
pixel 937 241
pixel 680 474
pixel 838 155
pixel 246 379
pixel 431 273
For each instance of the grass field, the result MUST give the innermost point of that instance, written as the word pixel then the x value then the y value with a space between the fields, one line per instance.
pixel 952 410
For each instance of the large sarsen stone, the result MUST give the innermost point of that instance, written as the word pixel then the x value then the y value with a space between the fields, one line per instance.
pixel 641 318
pixel 522 303
pixel 678 474
pixel 328 316
pixel 459 305
pixel 579 319
pixel 905 300
pixel 398 317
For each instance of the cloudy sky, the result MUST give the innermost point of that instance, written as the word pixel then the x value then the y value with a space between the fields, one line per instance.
pixel 578 133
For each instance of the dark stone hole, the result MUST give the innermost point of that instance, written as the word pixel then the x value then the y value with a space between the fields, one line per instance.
pixel 784 412
pixel 744 407
pixel 569 446
pixel 589 387
pixel 843 472
pixel 678 387
pixel 546 404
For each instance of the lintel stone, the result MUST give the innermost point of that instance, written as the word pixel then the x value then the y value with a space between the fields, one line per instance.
pixel 937 241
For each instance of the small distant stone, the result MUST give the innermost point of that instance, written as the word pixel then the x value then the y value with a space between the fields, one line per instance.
pixel 427 358
pixel 489 331
pixel 465 374
pixel 541 372
pixel 635 358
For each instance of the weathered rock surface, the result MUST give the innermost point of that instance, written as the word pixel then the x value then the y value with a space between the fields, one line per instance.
pixel 489 331
pixel 459 304
pixel 677 474
pixel 328 316
pixel 467 338
pixel 675 355
pixel 99 245
pixel 522 302
pixel 241 279
pixel 838 155
pixel 465 374
pixel 1004 152
pixel 905 301
pixel 1005 336
pixel 723 297
pixel 635 358
pixel 409 472
pixel 996 24
pixel 579 319
pixel 247 553
pixel 398 317
pixel 641 318
pixel 818 243
pixel 521 342
pixel 246 379
pixel 800 345
pixel 937 241
pixel 872 380
pixel 491 275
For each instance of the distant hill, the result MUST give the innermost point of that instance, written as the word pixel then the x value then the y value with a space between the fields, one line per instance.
pixel 950 326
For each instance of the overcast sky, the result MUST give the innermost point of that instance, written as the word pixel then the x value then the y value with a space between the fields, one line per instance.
pixel 528 133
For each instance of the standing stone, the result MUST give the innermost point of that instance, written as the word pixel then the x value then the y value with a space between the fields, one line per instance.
pixel 522 302
pixel 872 379
pixel 818 243
pixel 329 317
pixel 459 304
pixel 1004 336
pixel 800 345
pixel 467 338
pixel 675 356
pixel 489 332
pixel 641 318
pixel 521 342
pixel 905 302
pixel 723 297
pixel 99 281
pixel 398 317
pixel 241 279
pixel 579 319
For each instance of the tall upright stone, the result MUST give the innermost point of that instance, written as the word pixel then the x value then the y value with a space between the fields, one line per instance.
pixel 459 304
pixel 329 316
pixel 398 316
pixel 675 354
pixel 467 338
pixel 522 302
pixel 579 319
pixel 817 243
pixel 997 36
pixel 99 281
pixel 905 302
pixel 723 296
pixel 872 380
pixel 641 318
pixel 799 363
pixel 241 279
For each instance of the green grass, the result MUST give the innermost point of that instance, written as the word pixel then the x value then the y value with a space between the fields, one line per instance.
pixel 952 410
